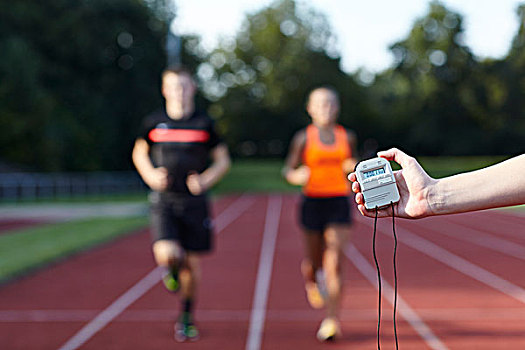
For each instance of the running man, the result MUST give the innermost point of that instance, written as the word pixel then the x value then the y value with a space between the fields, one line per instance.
pixel 172 154
pixel 319 159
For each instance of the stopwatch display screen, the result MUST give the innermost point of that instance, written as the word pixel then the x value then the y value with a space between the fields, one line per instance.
pixel 374 172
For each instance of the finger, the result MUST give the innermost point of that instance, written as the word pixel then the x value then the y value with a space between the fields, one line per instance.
pixel 352 177
pixel 359 199
pixel 355 187
pixel 365 212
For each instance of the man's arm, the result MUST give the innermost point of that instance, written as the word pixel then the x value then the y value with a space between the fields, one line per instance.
pixel 198 183
pixel 155 178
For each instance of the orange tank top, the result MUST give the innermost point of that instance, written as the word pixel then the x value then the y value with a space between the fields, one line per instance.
pixel 327 178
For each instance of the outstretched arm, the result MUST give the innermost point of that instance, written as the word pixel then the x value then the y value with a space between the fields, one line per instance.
pixel 499 185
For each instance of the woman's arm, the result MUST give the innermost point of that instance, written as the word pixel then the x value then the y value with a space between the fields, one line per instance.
pixel 499 185
pixel 292 172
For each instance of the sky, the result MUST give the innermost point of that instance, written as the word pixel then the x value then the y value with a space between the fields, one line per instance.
pixel 364 29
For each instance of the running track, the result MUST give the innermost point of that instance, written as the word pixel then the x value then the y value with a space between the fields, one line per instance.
pixel 461 286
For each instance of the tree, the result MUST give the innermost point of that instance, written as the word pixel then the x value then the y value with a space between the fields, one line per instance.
pixel 259 81
pixel 75 79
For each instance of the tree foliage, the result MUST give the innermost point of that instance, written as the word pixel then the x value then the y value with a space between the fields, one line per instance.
pixel 259 81
pixel 75 77
pixel 439 99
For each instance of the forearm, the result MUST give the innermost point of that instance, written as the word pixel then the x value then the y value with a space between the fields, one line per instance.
pixel 497 186
pixel 142 161
pixel 215 172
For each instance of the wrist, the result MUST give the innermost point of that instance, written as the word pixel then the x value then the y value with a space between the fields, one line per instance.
pixel 436 198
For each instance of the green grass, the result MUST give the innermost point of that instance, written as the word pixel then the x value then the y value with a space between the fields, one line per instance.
pixel 445 166
pixel 24 250
pixel 261 175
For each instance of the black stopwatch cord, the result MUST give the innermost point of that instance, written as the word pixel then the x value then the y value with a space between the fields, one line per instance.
pixel 379 283
pixel 395 273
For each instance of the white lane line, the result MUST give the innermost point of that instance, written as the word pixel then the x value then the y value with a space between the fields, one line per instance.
pixel 405 310
pixel 486 240
pixel 140 288
pixel 288 315
pixel 264 273
pixel 460 264
pixel 233 211
pixel 112 311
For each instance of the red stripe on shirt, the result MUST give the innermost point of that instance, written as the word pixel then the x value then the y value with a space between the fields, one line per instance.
pixel 178 135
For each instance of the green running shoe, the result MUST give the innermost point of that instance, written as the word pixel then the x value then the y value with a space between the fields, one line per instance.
pixel 171 280
pixel 185 329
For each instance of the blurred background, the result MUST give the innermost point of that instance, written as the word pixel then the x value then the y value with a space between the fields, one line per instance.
pixel 76 78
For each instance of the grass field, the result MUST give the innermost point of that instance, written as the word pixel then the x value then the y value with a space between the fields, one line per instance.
pixel 24 250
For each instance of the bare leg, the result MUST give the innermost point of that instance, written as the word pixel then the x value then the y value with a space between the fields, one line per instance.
pixel 314 246
pixel 335 236
pixel 190 275
pixel 167 252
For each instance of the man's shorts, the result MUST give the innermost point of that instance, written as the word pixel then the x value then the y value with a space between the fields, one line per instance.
pixel 183 218
pixel 318 213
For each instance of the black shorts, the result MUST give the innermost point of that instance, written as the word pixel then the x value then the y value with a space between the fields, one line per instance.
pixel 317 213
pixel 183 218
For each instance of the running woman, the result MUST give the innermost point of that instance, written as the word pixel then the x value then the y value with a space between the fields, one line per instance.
pixel 172 155
pixel 319 159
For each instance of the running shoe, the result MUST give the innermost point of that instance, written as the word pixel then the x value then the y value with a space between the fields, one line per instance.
pixel 171 280
pixel 329 330
pixel 314 295
pixel 185 329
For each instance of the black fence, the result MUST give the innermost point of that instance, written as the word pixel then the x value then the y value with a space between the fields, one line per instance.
pixel 33 186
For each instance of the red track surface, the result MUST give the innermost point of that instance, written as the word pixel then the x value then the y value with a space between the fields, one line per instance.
pixel 461 286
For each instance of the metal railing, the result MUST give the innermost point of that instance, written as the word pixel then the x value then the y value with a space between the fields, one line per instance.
pixel 33 186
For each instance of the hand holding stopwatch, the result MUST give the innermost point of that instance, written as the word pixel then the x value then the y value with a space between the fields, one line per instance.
pixel 378 184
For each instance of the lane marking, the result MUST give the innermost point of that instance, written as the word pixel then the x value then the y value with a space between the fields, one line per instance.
pixel 404 309
pixel 460 264
pixel 112 311
pixel 289 315
pixel 141 287
pixel 482 239
pixel 264 273
pixel 232 212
